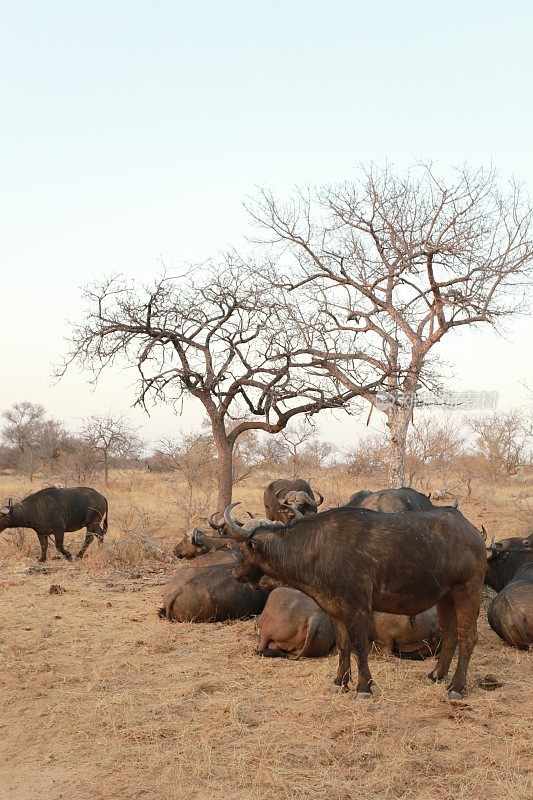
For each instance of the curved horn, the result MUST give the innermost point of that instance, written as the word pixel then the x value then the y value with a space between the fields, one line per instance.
pixel 215 525
pixel 194 538
pixel 297 514
pixel 320 495
pixel 455 501
pixel 236 531
pixel 484 533
pixel 303 497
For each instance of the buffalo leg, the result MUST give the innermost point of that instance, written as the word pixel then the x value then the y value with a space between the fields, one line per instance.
pixel 359 634
pixel 88 539
pixel 58 536
pixel 446 615
pixel 342 641
pixel 467 600
pixel 43 541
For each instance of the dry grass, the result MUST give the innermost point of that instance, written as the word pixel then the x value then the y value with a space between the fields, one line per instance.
pixel 103 700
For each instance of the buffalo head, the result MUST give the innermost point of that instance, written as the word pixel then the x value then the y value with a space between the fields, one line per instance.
pixel 249 570
pixel 191 545
pixel 296 504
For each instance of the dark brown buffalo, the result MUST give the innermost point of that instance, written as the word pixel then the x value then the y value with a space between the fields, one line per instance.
pixel 504 558
pixel 53 511
pixel 293 626
pixel 206 591
pixel 393 501
pixel 396 633
pixel 510 573
pixel 284 500
pixel 353 561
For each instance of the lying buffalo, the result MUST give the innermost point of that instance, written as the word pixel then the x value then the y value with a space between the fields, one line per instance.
pixel 396 633
pixel 353 561
pixel 53 512
pixel 197 543
pixel 510 573
pixel 206 591
pixel 393 501
pixel 284 500
pixel 293 626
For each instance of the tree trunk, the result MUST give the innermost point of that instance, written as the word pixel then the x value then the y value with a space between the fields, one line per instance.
pixel 398 420
pixel 224 469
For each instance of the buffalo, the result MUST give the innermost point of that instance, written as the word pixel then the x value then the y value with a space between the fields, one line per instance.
pixel 284 500
pixel 396 633
pixel 510 573
pixel 206 590
pixel 393 501
pixel 352 561
pixel 55 511
pixel 197 543
pixel 293 626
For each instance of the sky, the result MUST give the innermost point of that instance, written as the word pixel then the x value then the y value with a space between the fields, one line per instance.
pixel 132 133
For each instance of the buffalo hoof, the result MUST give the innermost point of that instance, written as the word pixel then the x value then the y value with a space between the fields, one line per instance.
pixel 432 678
pixel 364 695
pixel 454 696
pixel 334 688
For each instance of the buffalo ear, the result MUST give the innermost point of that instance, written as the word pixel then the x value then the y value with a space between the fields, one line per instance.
pixel 252 545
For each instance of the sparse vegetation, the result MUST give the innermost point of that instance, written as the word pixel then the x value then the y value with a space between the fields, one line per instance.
pixel 102 699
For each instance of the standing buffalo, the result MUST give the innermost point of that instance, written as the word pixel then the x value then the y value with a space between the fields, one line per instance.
pixel 284 500
pixel 510 573
pixel 393 501
pixel 396 633
pixel 56 511
pixel 293 626
pixel 354 561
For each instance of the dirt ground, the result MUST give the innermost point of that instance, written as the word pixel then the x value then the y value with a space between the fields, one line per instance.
pixel 103 700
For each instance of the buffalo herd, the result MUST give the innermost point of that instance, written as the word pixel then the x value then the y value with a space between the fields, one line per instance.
pixel 388 569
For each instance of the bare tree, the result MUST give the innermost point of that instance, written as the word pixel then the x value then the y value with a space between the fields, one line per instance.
pixel 503 440
pixel 193 457
pixel 110 436
pixel 220 337
pixel 432 447
pixel 23 428
pixel 295 439
pixel 401 261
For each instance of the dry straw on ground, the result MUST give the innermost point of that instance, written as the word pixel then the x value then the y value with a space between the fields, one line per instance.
pixel 101 699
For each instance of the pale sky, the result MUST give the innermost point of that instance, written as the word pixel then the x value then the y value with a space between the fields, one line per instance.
pixel 132 132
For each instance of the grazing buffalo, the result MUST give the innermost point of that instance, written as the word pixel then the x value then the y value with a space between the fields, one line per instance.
pixel 284 500
pixel 56 511
pixel 393 501
pixel 396 633
pixel 293 626
pixel 510 573
pixel 206 591
pixel 353 561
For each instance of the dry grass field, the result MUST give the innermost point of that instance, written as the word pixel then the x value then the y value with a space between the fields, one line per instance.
pixel 102 700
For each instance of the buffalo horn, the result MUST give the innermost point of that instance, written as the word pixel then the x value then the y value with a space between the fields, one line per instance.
pixel 194 538
pixel 303 497
pixel 235 528
pixel 296 511
pixel 321 497
pixel 455 502
pixel 215 525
